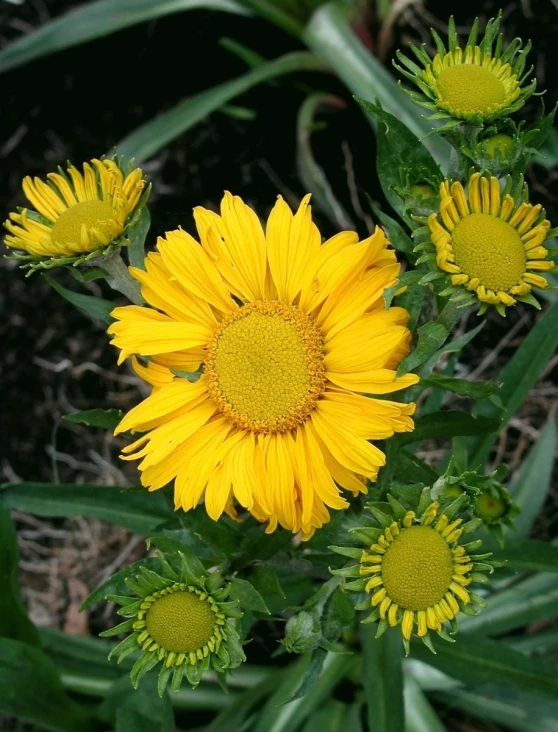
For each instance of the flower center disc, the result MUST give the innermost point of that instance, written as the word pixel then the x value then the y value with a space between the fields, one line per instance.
pixel 181 622
pixel 466 90
pixel 94 214
pixel 490 249
pixel 265 367
pixel 417 568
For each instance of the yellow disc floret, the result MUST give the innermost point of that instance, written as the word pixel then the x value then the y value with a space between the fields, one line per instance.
pixel 181 622
pixel 417 568
pixel 490 250
pixel 86 225
pixel 265 366
pixel 466 90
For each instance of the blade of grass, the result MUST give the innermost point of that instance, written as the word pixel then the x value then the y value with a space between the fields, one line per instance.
pixel 141 511
pixel 382 679
pixel 519 376
pixel 531 488
pixel 419 714
pixel 331 37
pixel 477 660
pixel 148 139
pixel 98 19
pixel 311 174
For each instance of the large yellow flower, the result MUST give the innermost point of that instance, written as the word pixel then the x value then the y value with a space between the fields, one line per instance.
pixel 75 213
pixel 291 334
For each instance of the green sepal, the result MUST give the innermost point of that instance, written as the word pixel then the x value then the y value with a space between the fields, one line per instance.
pixel 347 551
pixel 145 663
pixel 121 628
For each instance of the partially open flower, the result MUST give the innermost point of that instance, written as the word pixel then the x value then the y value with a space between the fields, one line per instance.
pixel 180 621
pixel 489 243
pixel 477 83
pixel 416 572
pixel 75 215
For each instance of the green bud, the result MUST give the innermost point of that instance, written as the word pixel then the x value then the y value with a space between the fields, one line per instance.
pixel 489 506
pixel 422 190
pixel 499 143
pixel 302 633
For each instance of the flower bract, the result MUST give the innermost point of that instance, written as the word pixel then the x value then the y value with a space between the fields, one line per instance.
pixel 477 82
pixel 261 348
pixel 75 214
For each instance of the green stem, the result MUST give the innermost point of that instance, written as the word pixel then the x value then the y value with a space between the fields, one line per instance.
pixel 119 279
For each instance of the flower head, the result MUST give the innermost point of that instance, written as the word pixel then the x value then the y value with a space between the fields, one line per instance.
pixel 477 83
pixel 179 620
pixel 416 571
pixel 75 215
pixel 290 335
pixel 489 242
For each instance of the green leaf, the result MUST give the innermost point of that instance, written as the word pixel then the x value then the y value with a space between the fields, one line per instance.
pixel 476 660
pixel 14 622
pixel 454 346
pixel 529 554
pixel 95 307
pixel 155 134
pixel 430 337
pixel 311 174
pixel 248 596
pixel 141 512
pixel 398 148
pixel 107 419
pixel 133 712
pixel 96 20
pixel 508 708
pixel 515 607
pixel 450 423
pixel 419 714
pixel 520 374
pixel 331 35
pixel 30 690
pixel 382 679
pixel 411 468
pixel 531 487
pixel 471 389
pixel 137 234
pixel 288 718
pixel 396 234
pixel 311 675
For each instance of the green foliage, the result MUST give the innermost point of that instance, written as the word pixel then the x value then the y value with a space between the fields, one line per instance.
pixel 154 135
pixel 14 622
pixel 94 20
pixel 133 509
pixel 30 689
